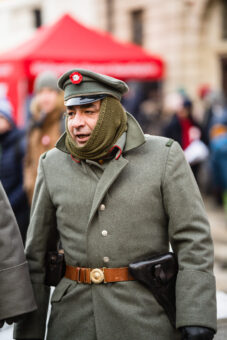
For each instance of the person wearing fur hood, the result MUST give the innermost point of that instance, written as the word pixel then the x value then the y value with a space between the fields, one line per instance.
pixel 45 126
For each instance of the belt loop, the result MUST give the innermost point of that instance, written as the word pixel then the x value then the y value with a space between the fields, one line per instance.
pixel 83 275
pixel 103 269
pixel 87 275
pixel 78 274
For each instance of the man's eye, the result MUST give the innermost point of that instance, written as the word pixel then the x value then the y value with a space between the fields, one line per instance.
pixel 89 112
pixel 70 114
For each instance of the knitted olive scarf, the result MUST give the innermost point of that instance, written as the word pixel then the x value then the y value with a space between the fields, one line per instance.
pixel 111 124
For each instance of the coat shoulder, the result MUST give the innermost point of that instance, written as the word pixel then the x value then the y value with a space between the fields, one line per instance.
pixel 158 141
pixel 54 155
pixel 154 153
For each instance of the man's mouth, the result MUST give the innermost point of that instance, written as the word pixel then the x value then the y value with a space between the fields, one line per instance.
pixel 82 137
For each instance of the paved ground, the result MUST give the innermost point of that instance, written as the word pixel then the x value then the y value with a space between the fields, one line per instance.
pixel 6 333
pixel 218 222
pixel 222 330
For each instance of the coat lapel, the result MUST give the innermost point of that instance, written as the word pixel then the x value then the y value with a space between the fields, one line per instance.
pixel 109 175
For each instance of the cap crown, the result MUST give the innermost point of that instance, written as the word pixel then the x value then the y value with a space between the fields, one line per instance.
pixel 81 82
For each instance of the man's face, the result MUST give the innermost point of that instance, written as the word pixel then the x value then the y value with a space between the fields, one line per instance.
pixel 47 99
pixel 4 125
pixel 82 121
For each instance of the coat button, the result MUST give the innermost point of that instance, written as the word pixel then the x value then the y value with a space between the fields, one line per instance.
pixel 102 207
pixel 106 259
pixel 104 233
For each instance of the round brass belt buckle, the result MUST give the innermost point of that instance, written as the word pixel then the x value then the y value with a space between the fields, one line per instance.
pixel 97 275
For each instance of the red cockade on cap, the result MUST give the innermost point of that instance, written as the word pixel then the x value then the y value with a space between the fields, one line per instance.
pixel 76 77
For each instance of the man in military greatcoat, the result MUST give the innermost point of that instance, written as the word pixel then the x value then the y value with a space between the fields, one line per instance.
pixel 16 295
pixel 114 196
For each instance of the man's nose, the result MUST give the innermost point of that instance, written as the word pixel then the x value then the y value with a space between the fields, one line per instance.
pixel 78 120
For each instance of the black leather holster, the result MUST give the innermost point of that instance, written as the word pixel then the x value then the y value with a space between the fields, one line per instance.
pixel 158 273
pixel 55 267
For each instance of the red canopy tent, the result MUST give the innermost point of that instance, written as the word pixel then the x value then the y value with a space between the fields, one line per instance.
pixel 66 45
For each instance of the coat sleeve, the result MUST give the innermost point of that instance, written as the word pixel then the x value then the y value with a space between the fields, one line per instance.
pixel 189 234
pixel 16 296
pixel 41 233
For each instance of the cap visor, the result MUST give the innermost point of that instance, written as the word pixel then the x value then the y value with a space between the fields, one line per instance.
pixel 83 100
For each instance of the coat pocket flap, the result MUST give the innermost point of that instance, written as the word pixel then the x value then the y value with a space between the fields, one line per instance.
pixel 60 290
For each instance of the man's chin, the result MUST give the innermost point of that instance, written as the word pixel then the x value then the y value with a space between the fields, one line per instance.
pixel 79 143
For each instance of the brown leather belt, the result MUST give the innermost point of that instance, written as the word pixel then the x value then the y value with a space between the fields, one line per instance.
pixel 97 275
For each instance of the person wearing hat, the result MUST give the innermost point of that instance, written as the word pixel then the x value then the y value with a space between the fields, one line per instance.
pixel 183 128
pixel 115 196
pixel 12 151
pixel 16 295
pixel 45 126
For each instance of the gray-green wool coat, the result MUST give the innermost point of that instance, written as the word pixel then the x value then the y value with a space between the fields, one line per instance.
pixel 150 198
pixel 16 295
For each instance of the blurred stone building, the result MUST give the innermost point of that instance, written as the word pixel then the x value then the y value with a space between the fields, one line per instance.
pixel 190 35
pixel 20 18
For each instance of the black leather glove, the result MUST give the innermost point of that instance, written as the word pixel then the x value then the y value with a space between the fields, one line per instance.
pixel 9 321
pixel 17 318
pixel 197 333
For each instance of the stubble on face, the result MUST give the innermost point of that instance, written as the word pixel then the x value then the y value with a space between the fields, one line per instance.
pixel 82 121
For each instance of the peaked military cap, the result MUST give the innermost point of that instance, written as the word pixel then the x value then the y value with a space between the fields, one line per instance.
pixel 82 86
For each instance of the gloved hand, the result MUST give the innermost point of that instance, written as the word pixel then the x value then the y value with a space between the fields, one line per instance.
pixel 9 321
pixel 197 333
pixel 17 318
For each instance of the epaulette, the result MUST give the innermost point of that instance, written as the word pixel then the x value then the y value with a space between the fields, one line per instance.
pixel 170 142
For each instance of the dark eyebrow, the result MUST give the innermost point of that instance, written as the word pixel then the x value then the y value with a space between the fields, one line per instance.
pixel 85 106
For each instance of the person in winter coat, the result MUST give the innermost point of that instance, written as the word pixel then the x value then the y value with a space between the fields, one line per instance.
pixel 16 295
pixel 12 151
pixel 183 128
pixel 115 196
pixel 218 148
pixel 45 126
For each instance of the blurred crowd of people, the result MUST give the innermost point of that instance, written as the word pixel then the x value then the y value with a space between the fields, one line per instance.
pixel 200 128
pixel 20 149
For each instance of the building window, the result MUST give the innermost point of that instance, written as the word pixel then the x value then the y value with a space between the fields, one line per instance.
pixel 137 26
pixel 224 19
pixel 37 17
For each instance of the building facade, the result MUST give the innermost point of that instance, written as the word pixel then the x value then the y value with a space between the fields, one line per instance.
pixel 190 35
pixel 20 18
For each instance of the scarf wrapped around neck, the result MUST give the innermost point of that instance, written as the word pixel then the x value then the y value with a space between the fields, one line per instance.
pixel 111 124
